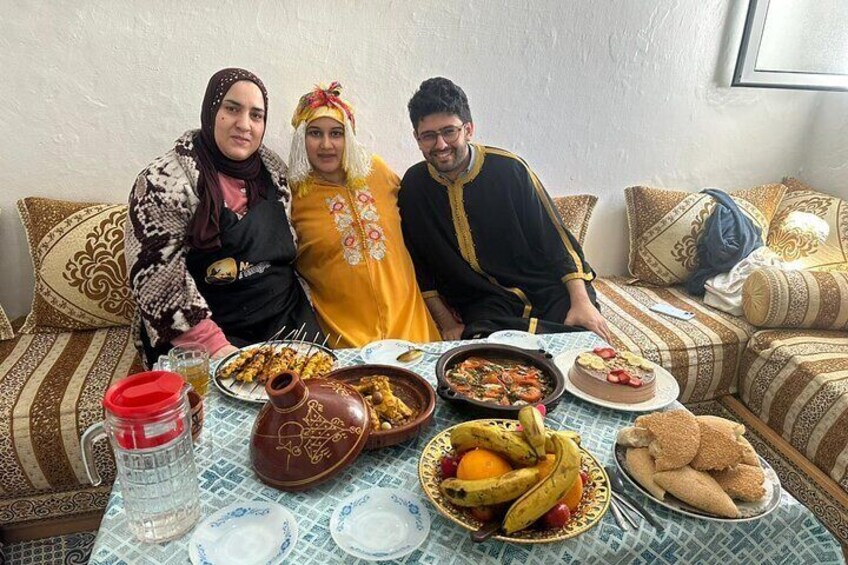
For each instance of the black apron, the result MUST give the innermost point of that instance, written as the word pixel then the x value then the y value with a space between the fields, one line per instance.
pixel 250 283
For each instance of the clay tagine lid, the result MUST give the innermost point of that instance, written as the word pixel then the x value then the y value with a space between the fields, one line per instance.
pixel 307 432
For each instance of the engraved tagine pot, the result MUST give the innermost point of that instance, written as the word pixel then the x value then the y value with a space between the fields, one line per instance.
pixel 307 432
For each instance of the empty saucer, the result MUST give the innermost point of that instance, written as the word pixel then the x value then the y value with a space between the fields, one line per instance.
pixel 380 523
pixel 244 533
pixel 386 351
pixel 516 338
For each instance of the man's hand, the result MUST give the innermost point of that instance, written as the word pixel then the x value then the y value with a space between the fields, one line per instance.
pixel 224 351
pixel 583 312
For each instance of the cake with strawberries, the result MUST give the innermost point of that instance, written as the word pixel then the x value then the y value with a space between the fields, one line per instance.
pixel 615 376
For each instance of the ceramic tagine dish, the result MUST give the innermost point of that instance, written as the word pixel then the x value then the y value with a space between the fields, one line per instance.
pixel 308 431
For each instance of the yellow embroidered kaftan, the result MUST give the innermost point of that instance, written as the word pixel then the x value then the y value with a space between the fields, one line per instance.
pixel 352 255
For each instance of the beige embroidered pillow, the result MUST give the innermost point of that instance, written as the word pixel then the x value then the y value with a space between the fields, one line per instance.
pixel 575 211
pixel 6 331
pixel 773 298
pixel 78 261
pixel 665 226
pixel 810 229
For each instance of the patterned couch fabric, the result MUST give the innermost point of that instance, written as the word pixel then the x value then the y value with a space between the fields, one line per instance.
pixel 773 298
pixel 78 259
pixel 576 211
pixel 665 226
pixel 796 381
pixel 52 387
pixel 6 331
pixel 810 229
pixel 703 354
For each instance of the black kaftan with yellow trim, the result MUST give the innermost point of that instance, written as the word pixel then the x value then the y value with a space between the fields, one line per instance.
pixel 491 244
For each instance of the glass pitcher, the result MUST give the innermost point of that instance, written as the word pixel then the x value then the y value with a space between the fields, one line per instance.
pixel 148 425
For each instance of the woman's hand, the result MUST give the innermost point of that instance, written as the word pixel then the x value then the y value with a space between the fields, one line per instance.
pixel 453 331
pixel 447 320
pixel 585 314
pixel 224 351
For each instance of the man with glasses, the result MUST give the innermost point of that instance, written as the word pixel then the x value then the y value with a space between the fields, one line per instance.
pixel 489 248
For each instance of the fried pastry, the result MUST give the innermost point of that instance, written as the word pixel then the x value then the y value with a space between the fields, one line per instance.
pixel 717 450
pixel 697 489
pixel 641 466
pixel 744 482
pixel 677 437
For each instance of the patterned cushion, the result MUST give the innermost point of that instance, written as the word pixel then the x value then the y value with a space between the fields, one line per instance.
pixel 78 259
pixel 810 229
pixel 703 353
pixel 665 226
pixel 575 211
pixel 53 385
pixel 772 298
pixel 796 381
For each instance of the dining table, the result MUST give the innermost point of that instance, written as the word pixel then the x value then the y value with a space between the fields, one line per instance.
pixel 789 534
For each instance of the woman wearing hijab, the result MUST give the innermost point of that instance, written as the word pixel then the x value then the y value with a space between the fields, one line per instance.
pixel 209 244
pixel 351 252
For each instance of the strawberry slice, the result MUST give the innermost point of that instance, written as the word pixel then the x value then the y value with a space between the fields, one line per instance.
pixel 635 382
pixel 612 378
pixel 623 376
pixel 604 352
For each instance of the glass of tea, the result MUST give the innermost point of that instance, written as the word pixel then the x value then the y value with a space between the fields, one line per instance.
pixel 191 360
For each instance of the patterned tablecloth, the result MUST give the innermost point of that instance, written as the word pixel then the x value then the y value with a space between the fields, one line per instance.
pixel 789 535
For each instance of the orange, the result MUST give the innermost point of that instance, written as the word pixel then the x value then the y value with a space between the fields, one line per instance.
pixel 546 465
pixel 482 464
pixel 574 495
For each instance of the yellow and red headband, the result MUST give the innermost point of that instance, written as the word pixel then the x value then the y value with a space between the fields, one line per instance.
pixel 323 102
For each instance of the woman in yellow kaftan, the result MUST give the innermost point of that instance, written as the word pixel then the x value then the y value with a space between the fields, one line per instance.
pixel 350 247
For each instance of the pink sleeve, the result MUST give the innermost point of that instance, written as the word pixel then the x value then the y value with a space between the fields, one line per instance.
pixel 207 333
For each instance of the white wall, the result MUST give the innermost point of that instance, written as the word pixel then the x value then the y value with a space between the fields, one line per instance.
pixel 595 95
pixel 824 163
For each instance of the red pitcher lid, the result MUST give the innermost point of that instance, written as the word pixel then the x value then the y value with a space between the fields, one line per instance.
pixel 144 394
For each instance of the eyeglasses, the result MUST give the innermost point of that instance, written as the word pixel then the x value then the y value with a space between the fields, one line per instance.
pixel 449 134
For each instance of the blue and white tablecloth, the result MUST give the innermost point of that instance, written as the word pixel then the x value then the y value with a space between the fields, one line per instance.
pixel 789 535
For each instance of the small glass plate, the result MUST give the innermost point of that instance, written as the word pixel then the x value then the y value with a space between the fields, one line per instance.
pixel 517 338
pixel 380 523
pixel 386 351
pixel 244 533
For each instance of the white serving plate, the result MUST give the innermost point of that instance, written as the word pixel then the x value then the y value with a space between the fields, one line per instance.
pixel 255 392
pixel 666 387
pixel 749 510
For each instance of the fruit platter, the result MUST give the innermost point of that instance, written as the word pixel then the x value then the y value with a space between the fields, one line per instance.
pixel 525 483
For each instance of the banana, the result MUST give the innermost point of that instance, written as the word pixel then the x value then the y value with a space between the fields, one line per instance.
pixel 534 428
pixel 541 498
pixel 511 445
pixel 485 492
pixel 549 434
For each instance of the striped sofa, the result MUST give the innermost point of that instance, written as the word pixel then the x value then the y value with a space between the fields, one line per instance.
pixel 53 384
pixel 789 385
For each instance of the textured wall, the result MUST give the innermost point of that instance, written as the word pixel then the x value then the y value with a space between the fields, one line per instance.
pixel 595 95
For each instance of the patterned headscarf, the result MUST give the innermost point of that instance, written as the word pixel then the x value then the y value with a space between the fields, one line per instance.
pixel 326 103
pixel 204 229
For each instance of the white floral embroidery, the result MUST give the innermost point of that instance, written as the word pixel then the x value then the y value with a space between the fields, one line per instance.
pixel 360 229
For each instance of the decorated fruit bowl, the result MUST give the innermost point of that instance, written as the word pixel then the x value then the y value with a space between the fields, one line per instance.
pixel 588 507
pixel 497 380
pixel 412 391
